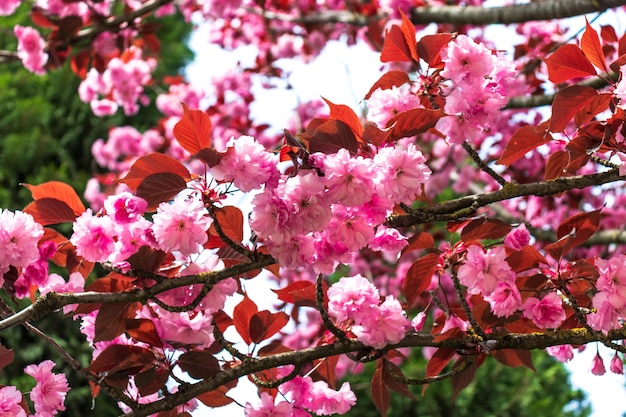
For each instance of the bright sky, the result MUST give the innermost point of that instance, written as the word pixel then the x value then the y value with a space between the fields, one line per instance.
pixel 344 75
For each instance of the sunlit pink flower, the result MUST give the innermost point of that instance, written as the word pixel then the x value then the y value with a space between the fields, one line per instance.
pixel 518 237
pixel 93 236
pixel 349 179
pixel 418 321
pixel 563 353
pixel 597 366
pixel 181 225
pixel 383 325
pixel 385 104
pixel 351 296
pixel 19 235
pixel 125 207
pixel 617 365
pixel 7 7
pixel 49 393
pixel 505 299
pixel 482 271
pixel 267 408
pixel 546 313
pixel 401 173
pixel 30 49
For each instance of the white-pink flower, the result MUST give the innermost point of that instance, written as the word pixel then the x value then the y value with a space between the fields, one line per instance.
pixel 31 49
pixel 351 297
pixel 19 235
pixel 49 393
pixel 10 402
pixel 181 225
pixel 267 408
pixel 93 236
pixel 383 325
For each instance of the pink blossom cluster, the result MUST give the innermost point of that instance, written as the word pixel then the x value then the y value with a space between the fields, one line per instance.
pixel 121 84
pixel 49 393
pixel 169 104
pixel 31 49
pixel 8 7
pixel 322 220
pixel 35 275
pixel 547 312
pixel 354 304
pixel 123 146
pixel 384 104
pixel 488 273
pixel 480 81
pixel 247 164
pixel 19 236
pixel 610 300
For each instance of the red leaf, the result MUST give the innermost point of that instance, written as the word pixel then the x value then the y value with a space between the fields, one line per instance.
pixel 429 47
pixel 161 187
pixel 421 240
pixel 525 258
pixel 523 140
pixel 111 320
pixel 193 131
pixel 390 79
pixel 329 136
pixel 379 392
pixel 608 34
pixel 199 364
pixel 590 44
pixel 210 156
pixel 438 361
pixel 596 105
pixel 215 398
pixel 557 164
pixel 345 114
pixel 566 104
pixel 58 191
pixel 514 358
pixel 116 358
pixel 400 44
pixel 372 134
pixel 461 380
pixel 154 163
pixel 574 231
pixel 418 277
pixel 6 356
pixel 151 381
pixel 286 294
pixel 242 315
pixel 568 62
pixel 484 228
pixel 143 330
pixel 325 369
pixel 412 122
pixel 50 211
pixel 230 220
pixel 80 63
pixel 395 385
pixel 265 324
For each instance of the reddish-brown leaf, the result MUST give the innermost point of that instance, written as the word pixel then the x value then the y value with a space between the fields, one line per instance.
pixel 47 211
pixel 230 220
pixel 347 115
pixel 58 191
pixel 330 136
pixel 287 294
pixel 154 163
pixel 400 44
pixel 438 361
pixel 590 44
pixel 557 164
pixel 193 131
pixel 412 122
pixel 525 258
pixel 325 369
pixel 379 392
pixel 151 380
pixel 159 188
pixel 514 358
pixel 523 140
pixel 265 324
pixel 418 277
pixel 596 105
pixel 484 228
pixel 199 364
pixel 373 134
pixel 143 330
pixel 420 240
pixel 210 156
pixel 116 358
pixel 566 104
pixel 222 320
pixel 215 398
pixel 392 383
pixel 608 34
pixel 111 320
pixel 568 62
pixel 461 380
pixel 389 79
pixel 80 63
pixel 242 315
pixel 429 47
pixel 6 356
pixel 574 231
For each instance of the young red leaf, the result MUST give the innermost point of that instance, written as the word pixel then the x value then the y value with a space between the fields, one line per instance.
pixel 47 211
pixel 159 188
pixel 199 364
pixel 412 122
pixel 143 330
pixel 484 228
pixel 6 356
pixel 329 136
pixel 514 358
pixel 379 392
pixel 568 62
pixel 111 320
pixel 210 156
pixel 395 48
pixel 325 369
pixel 566 104
pixel 389 79
pixel 418 277
pixel 287 294
pixel 151 380
pixel 58 191
pixel 420 240
pixel 242 315
pixel 461 380
pixel 154 163
pixel 557 165
pixel 265 324
pixel 526 258
pixel 395 385
pixel 193 131
pixel 429 47
pixel 116 358
pixel 408 31
pixel 596 105
pixel 230 220
pixel 581 226
pixel 524 140
pixel 347 115
pixel 590 44
pixel 215 398
pixel 438 361
pixel 608 34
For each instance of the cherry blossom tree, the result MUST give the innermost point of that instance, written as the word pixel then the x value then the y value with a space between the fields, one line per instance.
pixel 473 212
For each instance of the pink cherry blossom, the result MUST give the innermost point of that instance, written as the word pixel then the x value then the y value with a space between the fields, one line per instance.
pixel 93 236
pixel 49 393
pixel 351 297
pixel 19 235
pixel 318 397
pixel 7 7
pixel 10 402
pixel 384 104
pixel 181 225
pixel 505 299
pixel 517 238
pixel 482 271
pixel 247 164
pixel 125 207
pixel 617 365
pixel 597 366
pixel 267 408
pixel 563 353
pixel 383 325
pixel 466 59
pixel 349 180
pixel 402 170
pixel 546 313
pixel 31 49
pixel 418 321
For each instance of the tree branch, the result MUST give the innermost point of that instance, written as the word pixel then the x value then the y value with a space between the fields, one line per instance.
pixel 457 208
